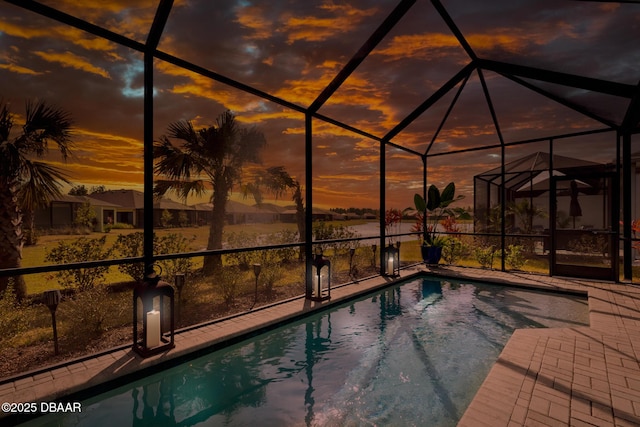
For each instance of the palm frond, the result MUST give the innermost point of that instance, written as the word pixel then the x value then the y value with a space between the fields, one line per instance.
pixel 44 123
pixel 6 122
pixel 173 162
pixel 182 130
pixel 180 187
pixel 41 183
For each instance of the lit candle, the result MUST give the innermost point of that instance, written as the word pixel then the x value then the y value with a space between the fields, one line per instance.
pixel 390 264
pixel 153 328
pixel 316 282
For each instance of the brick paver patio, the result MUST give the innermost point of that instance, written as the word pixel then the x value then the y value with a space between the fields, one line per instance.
pixel 582 376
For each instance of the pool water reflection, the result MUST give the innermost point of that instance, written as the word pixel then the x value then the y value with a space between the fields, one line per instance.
pixel 410 355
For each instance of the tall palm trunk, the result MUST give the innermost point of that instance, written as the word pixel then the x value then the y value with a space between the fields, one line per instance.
pixel 11 238
pixel 29 222
pixel 213 263
pixel 300 218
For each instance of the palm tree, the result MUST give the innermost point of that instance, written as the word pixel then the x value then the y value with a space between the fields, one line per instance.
pixel 277 181
pixel 24 182
pixel 212 156
pixel 43 185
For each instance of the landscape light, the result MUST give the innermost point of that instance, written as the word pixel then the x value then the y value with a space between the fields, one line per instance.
pixel 52 299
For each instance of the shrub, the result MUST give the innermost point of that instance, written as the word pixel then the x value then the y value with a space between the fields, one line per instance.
pixel 324 231
pixel 268 278
pixel 171 244
pixel 284 237
pixel 85 216
pixel 484 255
pixel 183 219
pixel 453 250
pixel 242 240
pixel 245 240
pixel 515 256
pixel 80 250
pixel 227 278
pixel 91 313
pixel 117 226
pixel 132 245
pixel 166 219
pixel 15 318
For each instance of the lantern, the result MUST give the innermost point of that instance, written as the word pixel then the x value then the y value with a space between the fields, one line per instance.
pixel 392 260
pixel 153 310
pixel 321 272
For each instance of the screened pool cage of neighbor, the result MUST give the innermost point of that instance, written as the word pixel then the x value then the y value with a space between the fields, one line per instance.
pixel 531 108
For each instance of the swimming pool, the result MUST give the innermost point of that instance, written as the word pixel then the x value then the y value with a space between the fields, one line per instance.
pixel 412 354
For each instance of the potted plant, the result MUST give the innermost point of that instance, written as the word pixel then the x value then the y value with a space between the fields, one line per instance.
pixel 433 209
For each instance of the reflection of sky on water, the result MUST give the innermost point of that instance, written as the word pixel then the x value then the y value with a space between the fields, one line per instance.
pixel 400 356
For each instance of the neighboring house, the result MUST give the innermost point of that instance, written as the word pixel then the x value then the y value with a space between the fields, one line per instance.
pixel 129 206
pixel 318 214
pixel 61 212
pixel 112 206
pixel 181 214
pixel 237 213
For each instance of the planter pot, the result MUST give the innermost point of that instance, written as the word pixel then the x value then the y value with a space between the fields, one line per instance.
pixel 431 254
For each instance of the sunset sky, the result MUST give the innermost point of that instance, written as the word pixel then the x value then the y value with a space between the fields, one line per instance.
pixel 292 50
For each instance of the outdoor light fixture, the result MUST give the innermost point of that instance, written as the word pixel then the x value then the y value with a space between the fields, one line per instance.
pixel 321 271
pixel 153 307
pixel 52 299
pixel 257 268
pixel 352 252
pixel 392 260
pixel 178 281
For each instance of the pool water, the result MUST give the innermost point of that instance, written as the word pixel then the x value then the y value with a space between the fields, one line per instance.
pixel 410 355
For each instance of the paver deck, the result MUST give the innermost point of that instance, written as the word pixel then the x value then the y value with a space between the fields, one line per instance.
pixel 582 376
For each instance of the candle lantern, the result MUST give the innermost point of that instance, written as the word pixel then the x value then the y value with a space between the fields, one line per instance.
pixel 153 315
pixel 321 272
pixel 392 260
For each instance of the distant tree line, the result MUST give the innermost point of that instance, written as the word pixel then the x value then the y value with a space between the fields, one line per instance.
pixel 357 211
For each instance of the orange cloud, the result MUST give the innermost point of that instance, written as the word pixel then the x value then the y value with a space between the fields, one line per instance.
pixel 253 17
pixel 311 28
pixel 19 70
pixel 71 60
pixel 427 46
pixel 61 32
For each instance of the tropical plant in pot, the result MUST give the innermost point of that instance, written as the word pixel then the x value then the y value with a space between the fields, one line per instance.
pixel 433 209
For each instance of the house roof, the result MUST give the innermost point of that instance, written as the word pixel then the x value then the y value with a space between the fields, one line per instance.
pixel 172 205
pixel 131 199
pixel 68 198
pixel 234 207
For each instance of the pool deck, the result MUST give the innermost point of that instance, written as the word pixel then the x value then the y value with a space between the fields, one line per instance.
pixel 582 376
